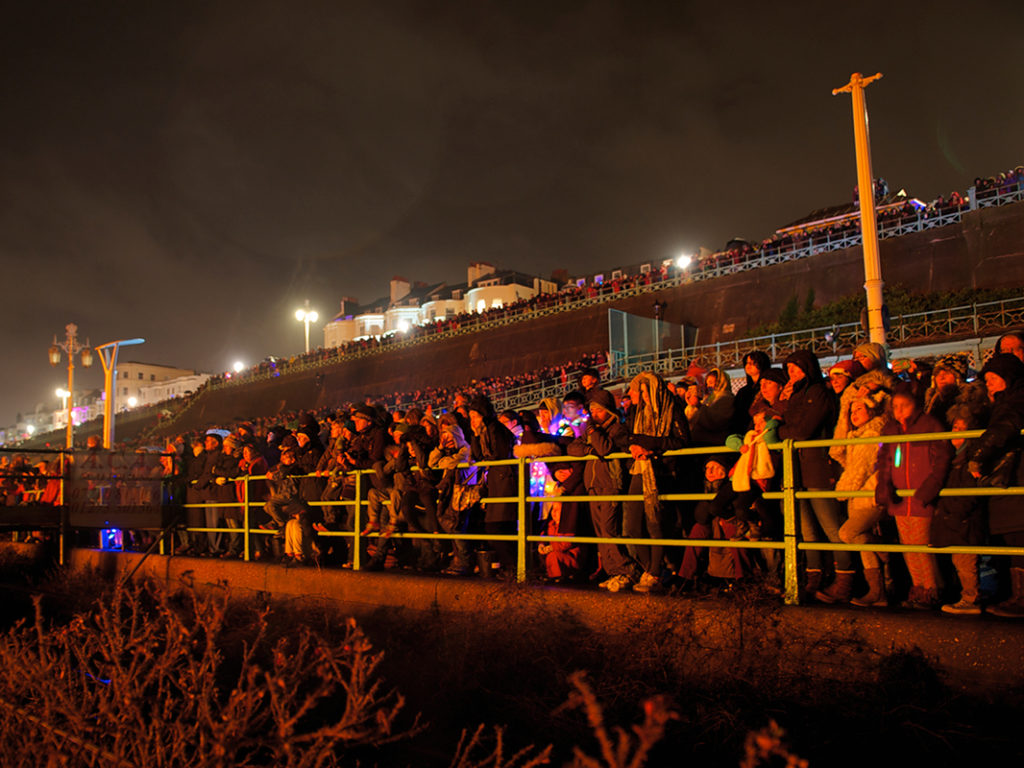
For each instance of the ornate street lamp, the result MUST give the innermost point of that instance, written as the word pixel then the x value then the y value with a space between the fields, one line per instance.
pixel 71 347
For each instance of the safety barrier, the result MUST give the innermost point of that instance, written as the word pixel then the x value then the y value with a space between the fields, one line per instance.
pixel 788 494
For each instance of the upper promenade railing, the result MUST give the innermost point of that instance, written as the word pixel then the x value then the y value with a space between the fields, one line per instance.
pixel 789 494
pixel 719 265
pixel 967 320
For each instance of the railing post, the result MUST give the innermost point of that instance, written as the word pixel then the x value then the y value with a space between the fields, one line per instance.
pixel 356 523
pixel 245 518
pixel 64 536
pixel 789 564
pixel 521 535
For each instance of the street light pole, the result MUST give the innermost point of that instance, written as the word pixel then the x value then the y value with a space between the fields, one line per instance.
pixel 865 183
pixel 306 316
pixel 71 347
pixel 108 356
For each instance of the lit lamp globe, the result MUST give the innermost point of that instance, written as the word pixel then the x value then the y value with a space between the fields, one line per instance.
pixel 239 366
pixel 403 326
pixel 132 402
pixel 684 261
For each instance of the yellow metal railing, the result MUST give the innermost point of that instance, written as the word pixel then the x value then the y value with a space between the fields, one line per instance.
pixel 789 495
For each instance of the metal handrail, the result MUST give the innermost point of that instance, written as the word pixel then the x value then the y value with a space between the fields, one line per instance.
pixel 789 494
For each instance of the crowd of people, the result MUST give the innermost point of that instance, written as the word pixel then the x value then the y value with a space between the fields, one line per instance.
pixel 420 474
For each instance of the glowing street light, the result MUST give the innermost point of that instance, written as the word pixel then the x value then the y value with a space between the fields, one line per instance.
pixel 238 367
pixel 684 261
pixel 108 356
pixel 132 402
pixel 403 326
pixel 71 347
pixel 306 316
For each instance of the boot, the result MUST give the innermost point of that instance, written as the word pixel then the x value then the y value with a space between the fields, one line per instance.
pixel 813 582
pixel 839 591
pixel 876 592
pixel 484 559
pixel 1013 608
pixel 921 599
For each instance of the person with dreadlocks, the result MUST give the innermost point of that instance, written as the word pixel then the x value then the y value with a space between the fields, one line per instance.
pixel 658 424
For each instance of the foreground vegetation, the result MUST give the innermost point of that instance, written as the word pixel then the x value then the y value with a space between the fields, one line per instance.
pixel 140 676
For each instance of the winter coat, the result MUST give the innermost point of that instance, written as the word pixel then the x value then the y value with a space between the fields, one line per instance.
pixel 308 459
pixel 603 477
pixel 905 466
pixel 959 520
pixel 810 414
pixel 492 443
pixel 875 386
pixel 712 422
pixel 859 463
pixel 258 490
pixel 564 559
pixel 1002 442
pixel 206 480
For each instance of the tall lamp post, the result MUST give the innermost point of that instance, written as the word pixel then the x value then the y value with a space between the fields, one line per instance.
pixel 71 347
pixel 306 316
pixel 108 356
pixel 865 184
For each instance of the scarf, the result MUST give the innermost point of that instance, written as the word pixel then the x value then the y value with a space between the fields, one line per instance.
pixel 654 417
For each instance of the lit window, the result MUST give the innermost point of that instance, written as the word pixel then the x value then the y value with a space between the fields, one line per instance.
pixel 481 305
pixel 496 304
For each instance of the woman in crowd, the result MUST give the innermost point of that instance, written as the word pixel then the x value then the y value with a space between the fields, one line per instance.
pixel 459 494
pixel 754 364
pixel 996 461
pixel 658 425
pixel 492 441
pixel 711 422
pixel 867 419
pixel 809 413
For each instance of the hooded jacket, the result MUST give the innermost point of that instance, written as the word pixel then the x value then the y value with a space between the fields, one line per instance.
pixel 711 423
pixel 748 392
pixel 810 414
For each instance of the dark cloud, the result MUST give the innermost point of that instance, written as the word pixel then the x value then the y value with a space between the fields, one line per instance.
pixel 190 172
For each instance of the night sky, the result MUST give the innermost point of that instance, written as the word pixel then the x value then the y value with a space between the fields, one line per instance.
pixel 190 172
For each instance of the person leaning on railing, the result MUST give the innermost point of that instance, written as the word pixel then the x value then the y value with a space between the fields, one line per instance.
pixel 995 460
pixel 606 434
pixel 809 413
pixel 867 418
pixel 658 425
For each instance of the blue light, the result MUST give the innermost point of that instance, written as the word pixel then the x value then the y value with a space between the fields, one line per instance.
pixel 112 538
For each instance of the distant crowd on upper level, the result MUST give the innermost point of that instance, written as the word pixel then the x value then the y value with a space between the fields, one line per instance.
pixel 825 230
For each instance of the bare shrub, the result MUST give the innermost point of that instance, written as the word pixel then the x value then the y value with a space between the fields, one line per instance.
pixel 145 680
